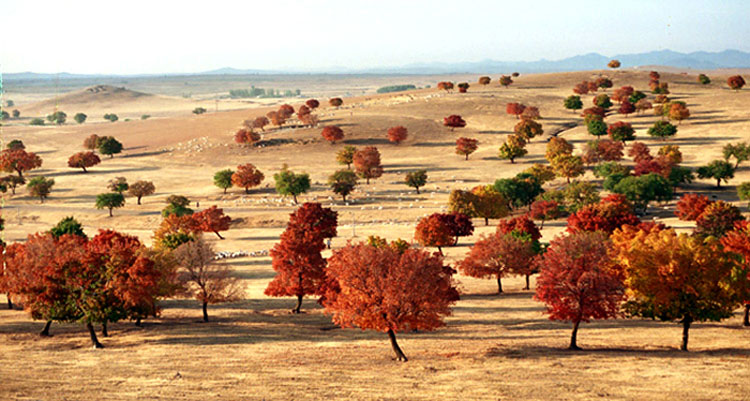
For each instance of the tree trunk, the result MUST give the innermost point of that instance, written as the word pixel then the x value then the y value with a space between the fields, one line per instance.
pixel 10 301
pixel 746 321
pixel 45 330
pixel 105 333
pixel 343 197
pixel 92 334
pixel 417 188
pixel 138 322
pixel 295 198
pixel 218 235
pixel 399 354
pixel 685 328
pixel 84 169
pixel 367 180
pixel 139 199
pixel 499 285
pixel 225 190
pixel 440 250
pixel 718 183
pixel 298 307
pixel 486 221
pixel 247 190
pixel 110 212
pixel 205 311
pixel 541 226
pixel 573 345
pixel 527 283
pixel 455 242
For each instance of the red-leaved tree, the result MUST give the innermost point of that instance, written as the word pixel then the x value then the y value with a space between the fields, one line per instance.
pixel 545 210
pixel 609 214
pixel 19 161
pixel 736 82
pixel 246 136
pixel 297 259
pixel 212 220
pixel 83 160
pixel 454 121
pixel 435 230
pixel 247 176
pixel 466 146
pixel 515 109
pixel 397 134
pixel 367 163
pixel 498 255
pixel 691 206
pixel 579 281
pixel 380 288
pixel 332 134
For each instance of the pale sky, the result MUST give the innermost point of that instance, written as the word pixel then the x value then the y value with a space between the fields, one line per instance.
pixel 135 37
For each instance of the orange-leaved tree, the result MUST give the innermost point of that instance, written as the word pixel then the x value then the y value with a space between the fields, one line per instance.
pixel 498 255
pixel 212 220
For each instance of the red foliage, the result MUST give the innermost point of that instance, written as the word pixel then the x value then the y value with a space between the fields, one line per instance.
pixel 382 289
pixel 620 131
pixel 83 160
pixel 336 101
pixel 312 104
pixel 246 136
pixel 646 166
pixel 521 225
pixel 445 85
pixel 530 113
pixel 597 111
pixel 611 213
pixel 91 142
pixel 260 122
pixel 639 151
pixel 276 118
pixel 545 210
pixel 498 255
pixel 515 109
pixel 736 82
pixel 247 176
pixel 212 220
pixel 367 163
pixel 602 150
pixel 690 206
pixel 435 230
pixel 466 146
pixel 581 88
pixel 303 111
pixel 397 134
pixel 297 259
pixel 286 111
pixel 332 133
pixel 579 281
pixel 19 160
pixel 654 75
pixel 454 121
pixel 622 94
pixel 626 108
pixel 718 218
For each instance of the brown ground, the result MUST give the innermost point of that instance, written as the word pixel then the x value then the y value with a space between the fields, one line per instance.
pixel 493 347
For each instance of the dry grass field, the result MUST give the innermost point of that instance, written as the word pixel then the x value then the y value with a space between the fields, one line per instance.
pixel 492 347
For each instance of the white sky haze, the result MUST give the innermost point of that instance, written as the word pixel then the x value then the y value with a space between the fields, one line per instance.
pixel 135 37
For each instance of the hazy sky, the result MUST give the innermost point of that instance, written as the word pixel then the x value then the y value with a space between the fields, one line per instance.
pixel 132 37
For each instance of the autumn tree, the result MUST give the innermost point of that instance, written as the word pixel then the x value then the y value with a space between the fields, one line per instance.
pixel 346 155
pixel 642 105
pixel 19 161
pixel 247 176
pixel 91 142
pixel 573 102
pixel 110 200
pixel 212 220
pixel 397 134
pixel 579 281
pixel 83 160
pixel 335 102
pixel 484 80
pixel 542 173
pixel 674 276
pixel 622 94
pixel 626 108
pixel 312 104
pixel 531 113
pixel 435 230
pixel 343 182
pixel 286 111
pixel 296 258
pixel 260 122
pixel 497 255
pixel 719 170
pixel 466 146
pixel 40 187
pixel 514 147
pixel 545 210
pixel 463 87
pixel 246 137
pixel 382 289
pixel 602 150
pixel 454 121
pixel 12 181
pixel 735 82
pixel 528 129
pixel 704 79
pixel 515 109
pixel 290 183
pixel 609 214
pixel 505 81
pixel 487 203
pixel 367 163
pixel 209 281
pixel 691 206
pixel 639 151
pixel 603 101
pixel 614 64
pixel 445 85
pixel 568 166
pixel 276 118
pixel 717 218
pixel 581 88
pixel 141 188
pixel 678 111
pixel 738 241
pixel 416 179
pixel 558 146
pixel 108 145
pixel 332 134
pixel 621 131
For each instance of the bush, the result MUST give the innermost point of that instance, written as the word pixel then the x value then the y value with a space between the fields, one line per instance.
pixel 111 117
pixel 395 88
pixel 80 118
pixel 145 117
pixel 199 110
pixel 36 121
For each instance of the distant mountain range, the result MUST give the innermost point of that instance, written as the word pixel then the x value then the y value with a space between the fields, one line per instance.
pixel 593 61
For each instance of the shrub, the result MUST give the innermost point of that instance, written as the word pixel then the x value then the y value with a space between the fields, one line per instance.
pixel 80 118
